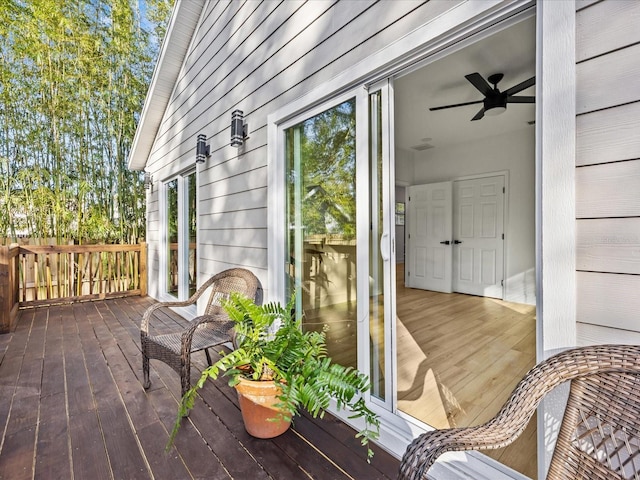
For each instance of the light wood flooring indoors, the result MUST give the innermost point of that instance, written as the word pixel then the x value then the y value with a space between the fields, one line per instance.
pixel 459 358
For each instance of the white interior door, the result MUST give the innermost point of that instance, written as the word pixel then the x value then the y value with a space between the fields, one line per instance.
pixel 430 211
pixel 478 233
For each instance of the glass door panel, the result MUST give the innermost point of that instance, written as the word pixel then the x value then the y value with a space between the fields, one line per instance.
pixel 376 262
pixel 180 225
pixel 321 216
pixel 172 237
pixel 380 248
pixel 192 224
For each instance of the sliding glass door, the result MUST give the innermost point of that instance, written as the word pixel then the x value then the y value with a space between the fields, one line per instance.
pixel 339 240
pixel 381 252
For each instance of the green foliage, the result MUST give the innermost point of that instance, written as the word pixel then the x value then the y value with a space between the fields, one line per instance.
pixel 272 346
pixel 73 77
pixel 321 161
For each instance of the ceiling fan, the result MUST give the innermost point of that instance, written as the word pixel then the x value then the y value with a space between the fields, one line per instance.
pixel 495 101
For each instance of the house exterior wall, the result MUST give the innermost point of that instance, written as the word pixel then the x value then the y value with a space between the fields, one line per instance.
pixel 608 171
pixel 256 57
pixel 261 56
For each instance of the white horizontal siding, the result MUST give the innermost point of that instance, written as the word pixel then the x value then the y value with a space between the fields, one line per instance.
pixel 243 218
pixel 248 200
pixel 608 190
pixel 234 255
pixel 607 26
pixel 580 4
pixel 589 334
pixel 608 135
pixel 231 237
pixel 608 171
pixel 244 182
pixel 609 300
pixel 608 80
pixel 609 245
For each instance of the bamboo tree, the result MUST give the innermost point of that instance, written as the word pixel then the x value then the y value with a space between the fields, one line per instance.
pixel 74 76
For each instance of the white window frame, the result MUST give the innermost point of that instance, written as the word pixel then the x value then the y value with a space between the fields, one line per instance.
pixel 555 170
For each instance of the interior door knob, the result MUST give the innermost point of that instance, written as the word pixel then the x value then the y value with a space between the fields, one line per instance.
pixel 446 242
pixel 456 242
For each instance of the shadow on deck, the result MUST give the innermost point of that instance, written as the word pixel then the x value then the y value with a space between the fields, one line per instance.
pixel 72 406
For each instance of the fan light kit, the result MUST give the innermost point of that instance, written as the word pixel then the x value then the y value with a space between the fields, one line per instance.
pixel 495 101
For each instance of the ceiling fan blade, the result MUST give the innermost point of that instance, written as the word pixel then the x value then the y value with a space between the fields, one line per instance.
pixel 479 115
pixel 521 99
pixel 521 86
pixel 480 83
pixel 456 105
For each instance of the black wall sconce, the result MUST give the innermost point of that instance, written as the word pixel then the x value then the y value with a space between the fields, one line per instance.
pixel 148 180
pixel 239 129
pixel 202 149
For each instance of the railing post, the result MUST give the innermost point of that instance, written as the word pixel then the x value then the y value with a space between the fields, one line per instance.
pixel 143 269
pixel 5 290
pixel 8 288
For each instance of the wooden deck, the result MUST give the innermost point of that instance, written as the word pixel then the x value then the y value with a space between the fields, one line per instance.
pixel 72 406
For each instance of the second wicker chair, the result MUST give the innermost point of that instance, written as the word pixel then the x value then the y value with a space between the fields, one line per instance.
pixel 599 438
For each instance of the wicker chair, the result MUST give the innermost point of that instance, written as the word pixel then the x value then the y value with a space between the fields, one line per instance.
pixel 600 433
pixel 206 331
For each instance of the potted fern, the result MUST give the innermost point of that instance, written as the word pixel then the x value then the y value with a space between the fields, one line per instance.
pixel 273 351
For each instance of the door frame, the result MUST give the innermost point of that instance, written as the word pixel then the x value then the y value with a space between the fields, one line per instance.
pixel 555 166
pixel 183 238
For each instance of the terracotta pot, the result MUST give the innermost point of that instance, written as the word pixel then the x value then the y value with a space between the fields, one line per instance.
pixel 257 403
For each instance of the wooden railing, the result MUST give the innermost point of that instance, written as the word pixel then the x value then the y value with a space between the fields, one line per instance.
pixel 33 275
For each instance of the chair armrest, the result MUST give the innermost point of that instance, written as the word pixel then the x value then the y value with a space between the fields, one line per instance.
pixel 146 317
pixel 422 453
pixel 144 324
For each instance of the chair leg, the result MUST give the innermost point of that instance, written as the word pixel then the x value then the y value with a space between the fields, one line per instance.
pixel 145 371
pixel 185 375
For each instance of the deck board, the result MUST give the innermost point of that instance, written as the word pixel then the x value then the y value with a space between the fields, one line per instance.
pixel 72 406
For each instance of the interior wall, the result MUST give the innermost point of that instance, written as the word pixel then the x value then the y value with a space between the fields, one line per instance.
pixel 513 152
